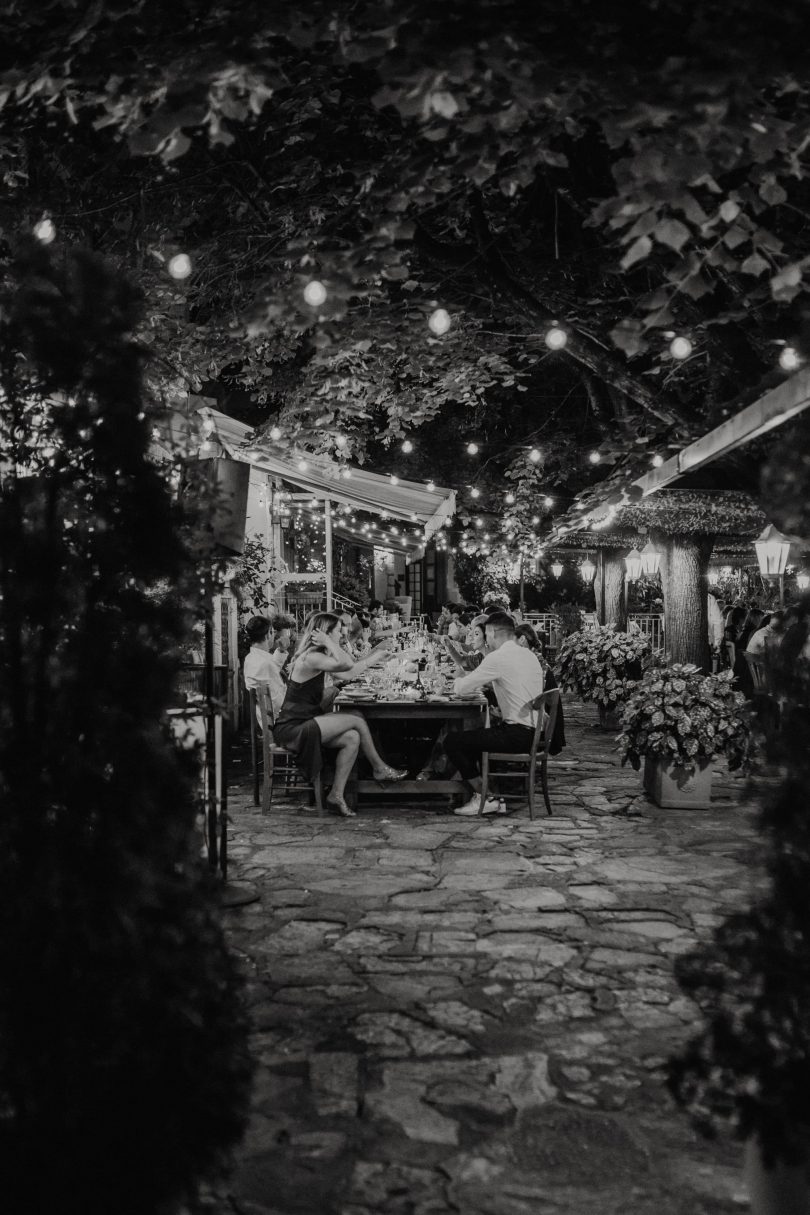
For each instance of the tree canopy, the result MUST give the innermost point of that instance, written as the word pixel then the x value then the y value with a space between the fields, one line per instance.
pixel 635 173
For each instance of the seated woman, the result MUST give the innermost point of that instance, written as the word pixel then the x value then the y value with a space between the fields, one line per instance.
pixel 304 729
pixel 468 661
pixel 526 636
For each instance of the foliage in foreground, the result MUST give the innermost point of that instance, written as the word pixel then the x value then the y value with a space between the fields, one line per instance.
pixel 123 1068
pixel 681 715
pixel 749 1067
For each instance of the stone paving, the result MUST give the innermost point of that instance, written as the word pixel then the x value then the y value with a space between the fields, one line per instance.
pixel 472 1015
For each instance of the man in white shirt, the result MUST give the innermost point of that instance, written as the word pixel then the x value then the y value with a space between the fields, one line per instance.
pixel 769 634
pixel 263 667
pixel 517 679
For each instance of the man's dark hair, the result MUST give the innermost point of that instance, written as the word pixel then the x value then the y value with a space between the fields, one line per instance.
pixel 257 629
pixel 375 603
pixel 501 622
pixel 282 622
pixel 454 609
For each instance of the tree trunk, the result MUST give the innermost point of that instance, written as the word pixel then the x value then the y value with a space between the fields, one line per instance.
pixel 684 565
pixel 615 609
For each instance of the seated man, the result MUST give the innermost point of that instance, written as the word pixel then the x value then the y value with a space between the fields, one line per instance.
pixel 281 648
pixel 263 667
pixel 517 679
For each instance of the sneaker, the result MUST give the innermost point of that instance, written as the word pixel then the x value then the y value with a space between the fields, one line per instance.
pixel 471 808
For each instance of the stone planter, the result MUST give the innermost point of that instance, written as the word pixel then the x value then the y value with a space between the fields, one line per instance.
pixel 780 1190
pixel 610 719
pixel 661 779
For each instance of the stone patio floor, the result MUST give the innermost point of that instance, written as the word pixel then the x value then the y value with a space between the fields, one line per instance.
pixel 473 1015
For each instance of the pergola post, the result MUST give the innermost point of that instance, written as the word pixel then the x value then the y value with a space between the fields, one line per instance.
pixel 609 589
pixel 327 531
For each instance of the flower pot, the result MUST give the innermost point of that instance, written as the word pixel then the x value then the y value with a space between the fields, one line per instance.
pixel 780 1190
pixel 610 718
pixel 661 781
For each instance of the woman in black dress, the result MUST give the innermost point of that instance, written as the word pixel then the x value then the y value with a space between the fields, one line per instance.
pixel 305 729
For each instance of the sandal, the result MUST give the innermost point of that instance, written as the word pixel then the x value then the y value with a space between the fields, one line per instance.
pixel 426 774
pixel 337 805
pixel 388 774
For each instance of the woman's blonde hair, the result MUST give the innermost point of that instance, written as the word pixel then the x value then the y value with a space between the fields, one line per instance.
pixel 326 621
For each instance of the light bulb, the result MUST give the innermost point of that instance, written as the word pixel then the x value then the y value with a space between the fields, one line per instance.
pixel 407 446
pixel 475 493
pixel 595 457
pixel 657 460
pixel 510 497
pixel 180 266
pixel 302 466
pixel 789 359
pixel 548 502
pixel 535 455
pixel 680 348
pixel 341 441
pixel 472 449
pixel 315 293
pixel 556 338
pixel 430 487
pixel 345 473
pixel 439 322
pixel 45 231
pixel 479 523
pixel 275 433
pixel 394 479
pixel 535 518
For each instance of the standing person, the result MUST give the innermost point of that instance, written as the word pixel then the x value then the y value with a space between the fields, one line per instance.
pixel 455 629
pixel 735 619
pixel 304 729
pixel 443 623
pixel 767 635
pixel 517 679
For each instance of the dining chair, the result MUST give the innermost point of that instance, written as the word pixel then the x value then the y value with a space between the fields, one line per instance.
pixel 537 753
pixel 261 699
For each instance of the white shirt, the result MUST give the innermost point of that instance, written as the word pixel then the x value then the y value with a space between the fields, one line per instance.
pixel 262 667
pixel 516 677
pixel 762 639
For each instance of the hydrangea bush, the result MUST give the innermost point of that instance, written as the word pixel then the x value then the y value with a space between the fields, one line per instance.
pixel 682 715
pixel 602 664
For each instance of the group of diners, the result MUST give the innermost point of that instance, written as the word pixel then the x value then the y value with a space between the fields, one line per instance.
pixel 503 659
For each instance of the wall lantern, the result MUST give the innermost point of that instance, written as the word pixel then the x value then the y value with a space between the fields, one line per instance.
pixel 772 552
pixel 587 570
pixel 632 564
pixel 650 559
pixel 803 580
pixel 557 569
pixel 713 577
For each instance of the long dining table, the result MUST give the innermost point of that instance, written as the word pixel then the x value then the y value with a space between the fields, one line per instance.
pixel 411 714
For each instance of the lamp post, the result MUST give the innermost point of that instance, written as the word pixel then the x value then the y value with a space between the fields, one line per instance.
pixel 772 550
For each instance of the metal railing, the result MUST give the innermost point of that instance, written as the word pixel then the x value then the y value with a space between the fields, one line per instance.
pixel 651 624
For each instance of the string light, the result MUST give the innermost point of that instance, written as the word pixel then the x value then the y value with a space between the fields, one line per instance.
pixel 472 449
pixel 595 457
pixel 275 433
pixel 439 322
pixel 475 493
pixel 535 518
pixel 179 266
pixel 430 487
pixel 535 455
pixel 345 473
pixel 394 479
pixel 407 446
pixel 789 359
pixel 657 460
pixel 509 499
pixel 680 348
pixel 548 502
pixel 315 293
pixel 556 338
pixel 341 441
pixel 45 231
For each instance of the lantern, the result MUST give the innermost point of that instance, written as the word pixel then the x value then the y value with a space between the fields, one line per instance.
pixel 772 552
pixel 803 580
pixel 557 569
pixel 650 559
pixel 713 577
pixel 632 564
pixel 587 570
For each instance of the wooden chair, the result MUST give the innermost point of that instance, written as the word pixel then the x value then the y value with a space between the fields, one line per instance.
pixel 538 753
pixel 758 671
pixel 271 753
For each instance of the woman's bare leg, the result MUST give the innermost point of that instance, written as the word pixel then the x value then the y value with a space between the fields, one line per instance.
pixel 333 725
pixel 346 748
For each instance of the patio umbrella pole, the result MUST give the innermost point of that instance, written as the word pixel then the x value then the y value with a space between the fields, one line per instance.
pixel 327 529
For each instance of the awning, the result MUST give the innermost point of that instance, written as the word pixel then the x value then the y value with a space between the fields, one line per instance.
pixel 323 478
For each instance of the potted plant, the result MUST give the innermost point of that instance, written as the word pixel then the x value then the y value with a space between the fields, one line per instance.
pixel 602 664
pixel 678 720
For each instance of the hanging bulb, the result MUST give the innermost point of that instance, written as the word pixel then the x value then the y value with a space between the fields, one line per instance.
pixel 535 455
pixel 341 441
pixel 556 338
pixel 430 487
pixel 439 322
pixel 680 348
pixel 475 493
pixel 394 479
pixel 657 460
pixel 275 433
pixel 315 293
pixel 595 457
pixel 509 499
pixel 179 266
pixel 45 231
pixel 535 518
pixel 407 446
pixel 472 449
pixel 789 359
pixel 302 465
pixel 548 502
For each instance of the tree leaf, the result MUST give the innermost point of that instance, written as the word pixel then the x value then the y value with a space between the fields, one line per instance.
pixel 673 233
pixel 636 253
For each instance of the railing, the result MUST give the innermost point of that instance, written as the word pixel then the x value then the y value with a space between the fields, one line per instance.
pixel 344 604
pixel 545 622
pixel 651 624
